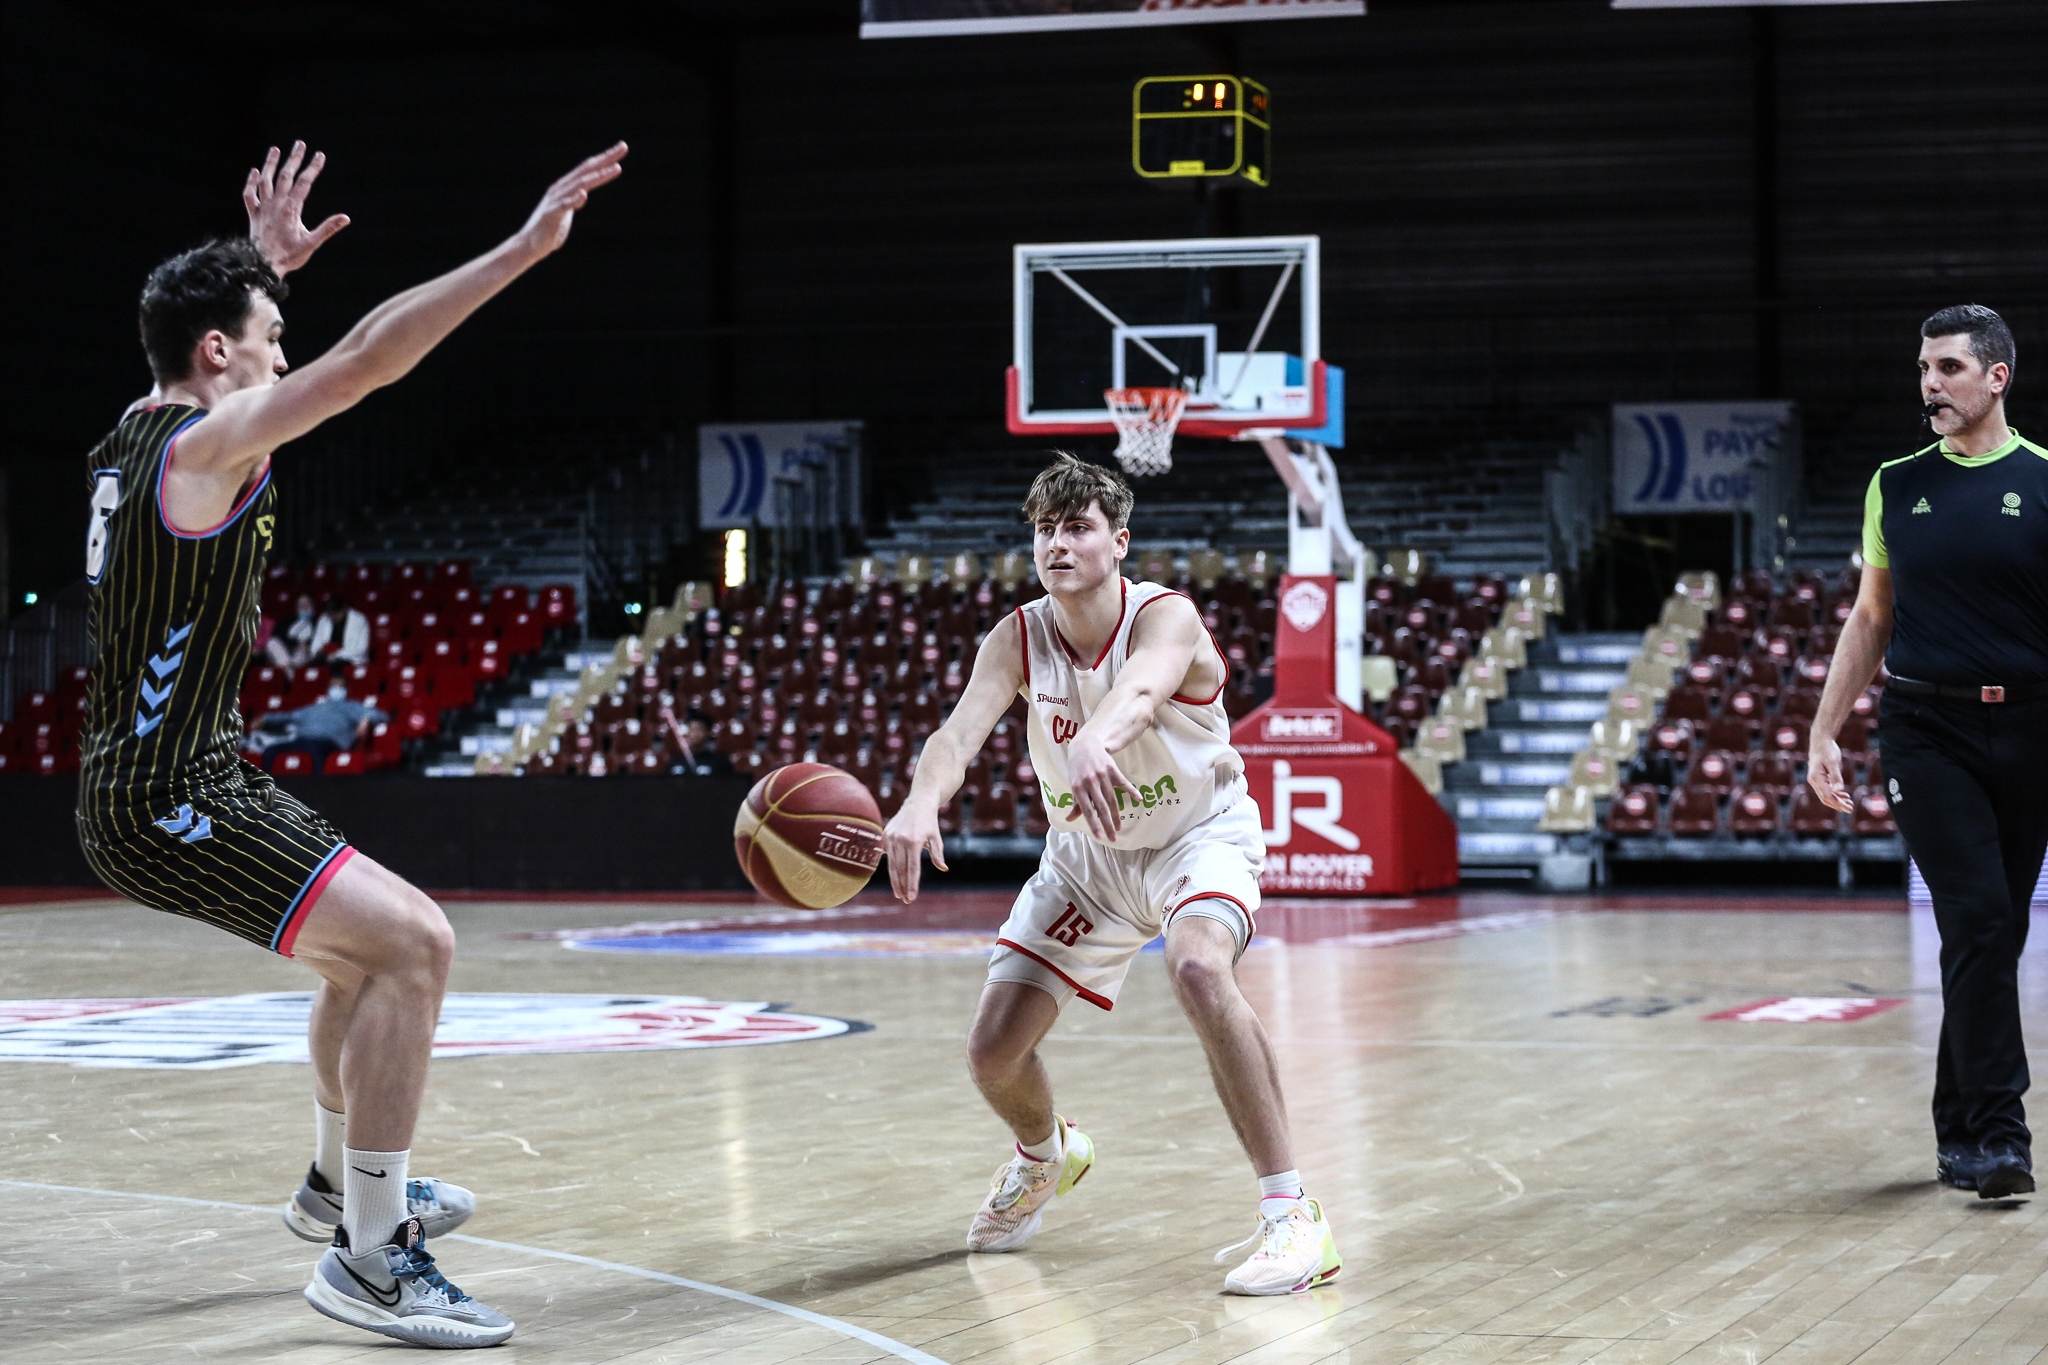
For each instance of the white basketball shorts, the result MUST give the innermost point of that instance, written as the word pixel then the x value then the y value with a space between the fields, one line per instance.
pixel 1089 909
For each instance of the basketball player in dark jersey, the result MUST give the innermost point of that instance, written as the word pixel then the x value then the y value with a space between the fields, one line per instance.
pixel 169 815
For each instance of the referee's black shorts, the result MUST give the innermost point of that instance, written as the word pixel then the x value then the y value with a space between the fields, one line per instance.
pixel 1968 783
pixel 237 852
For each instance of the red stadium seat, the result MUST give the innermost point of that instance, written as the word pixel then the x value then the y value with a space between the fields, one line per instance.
pixel 1719 642
pixel 509 597
pixel 1733 733
pixel 1633 812
pixel 291 762
pixel 1708 673
pixel 1717 771
pixel 1811 817
pixel 1694 812
pixel 558 604
pixel 454 684
pixel 1675 737
pixel 1854 736
pixel 1775 773
pixel 1752 812
pixel 1787 735
pixel 1872 817
pixel 384 748
pixel 1689 703
pixel 523 632
pixel 347 763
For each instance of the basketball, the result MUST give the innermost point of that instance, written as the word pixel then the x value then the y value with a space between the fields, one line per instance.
pixel 808 836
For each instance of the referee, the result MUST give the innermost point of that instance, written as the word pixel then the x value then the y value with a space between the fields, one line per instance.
pixel 1954 599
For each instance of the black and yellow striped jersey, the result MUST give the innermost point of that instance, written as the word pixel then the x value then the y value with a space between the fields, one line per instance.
pixel 173 617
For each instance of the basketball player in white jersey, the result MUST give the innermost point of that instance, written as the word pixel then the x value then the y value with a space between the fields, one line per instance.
pixel 1152 831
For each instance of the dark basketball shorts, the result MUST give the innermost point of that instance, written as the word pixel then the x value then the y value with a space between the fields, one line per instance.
pixel 239 853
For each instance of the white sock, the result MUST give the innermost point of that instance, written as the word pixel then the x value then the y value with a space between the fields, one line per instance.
pixel 327 1130
pixel 373 1196
pixel 1052 1149
pixel 1275 1191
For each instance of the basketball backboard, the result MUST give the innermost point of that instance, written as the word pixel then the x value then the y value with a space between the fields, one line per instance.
pixel 1234 320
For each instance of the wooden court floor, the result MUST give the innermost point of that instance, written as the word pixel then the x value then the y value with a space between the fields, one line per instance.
pixel 1535 1143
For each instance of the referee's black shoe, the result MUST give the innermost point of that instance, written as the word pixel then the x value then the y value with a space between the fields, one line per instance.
pixel 1957 1166
pixel 2004 1170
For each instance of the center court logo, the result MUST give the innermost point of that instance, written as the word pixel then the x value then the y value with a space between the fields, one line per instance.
pixel 242 1030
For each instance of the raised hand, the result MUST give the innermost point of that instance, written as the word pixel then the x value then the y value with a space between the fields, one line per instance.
pixel 275 199
pixel 548 228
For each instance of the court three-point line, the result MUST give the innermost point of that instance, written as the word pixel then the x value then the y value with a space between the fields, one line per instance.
pixel 846 1329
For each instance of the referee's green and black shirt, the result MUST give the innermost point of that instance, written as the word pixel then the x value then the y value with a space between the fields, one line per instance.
pixel 1966 540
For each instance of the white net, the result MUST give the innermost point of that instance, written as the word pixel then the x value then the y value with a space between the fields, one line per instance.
pixel 1145 419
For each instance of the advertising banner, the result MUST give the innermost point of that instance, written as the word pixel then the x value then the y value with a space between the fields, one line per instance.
pixel 1698 457
pixel 738 465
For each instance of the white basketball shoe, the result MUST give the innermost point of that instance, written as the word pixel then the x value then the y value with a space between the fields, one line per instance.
pixel 314 1212
pixel 1292 1251
pixel 397 1291
pixel 1016 1201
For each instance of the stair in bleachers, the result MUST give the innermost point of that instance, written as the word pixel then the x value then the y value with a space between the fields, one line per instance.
pixel 1496 795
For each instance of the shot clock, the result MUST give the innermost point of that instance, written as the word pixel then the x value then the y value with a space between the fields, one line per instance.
pixel 1201 127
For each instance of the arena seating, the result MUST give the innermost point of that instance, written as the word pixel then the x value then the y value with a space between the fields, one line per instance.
pixel 435 639
pixel 1704 747
pixel 859 670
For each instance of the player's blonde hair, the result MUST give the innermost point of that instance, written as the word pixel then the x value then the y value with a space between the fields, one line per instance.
pixel 1069 484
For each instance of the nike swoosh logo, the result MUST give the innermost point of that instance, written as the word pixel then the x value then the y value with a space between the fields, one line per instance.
pixel 374 1175
pixel 397 1290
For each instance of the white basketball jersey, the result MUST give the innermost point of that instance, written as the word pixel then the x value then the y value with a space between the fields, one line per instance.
pixel 1182 765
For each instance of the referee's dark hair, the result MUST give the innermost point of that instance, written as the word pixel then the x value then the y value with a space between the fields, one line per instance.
pixel 1990 339
pixel 202 290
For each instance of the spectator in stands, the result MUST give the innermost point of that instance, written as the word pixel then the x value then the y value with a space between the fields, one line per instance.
pixel 292 646
pixel 695 756
pixel 327 726
pixel 342 635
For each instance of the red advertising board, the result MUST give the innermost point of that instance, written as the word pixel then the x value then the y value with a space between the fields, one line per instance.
pixel 1343 814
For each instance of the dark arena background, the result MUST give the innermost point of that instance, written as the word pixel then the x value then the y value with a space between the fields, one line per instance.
pixel 1606 313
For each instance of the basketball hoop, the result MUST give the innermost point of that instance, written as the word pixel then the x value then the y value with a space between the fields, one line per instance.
pixel 1145 419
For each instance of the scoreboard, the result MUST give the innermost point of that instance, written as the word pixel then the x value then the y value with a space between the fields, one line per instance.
pixel 1201 127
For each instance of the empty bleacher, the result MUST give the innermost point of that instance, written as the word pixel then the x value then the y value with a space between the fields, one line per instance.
pixel 1701 754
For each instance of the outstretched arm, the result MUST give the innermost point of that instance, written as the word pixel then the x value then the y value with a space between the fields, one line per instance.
pixel 1164 642
pixel 1857 655
pixel 941 766
pixel 276 198
pixel 249 424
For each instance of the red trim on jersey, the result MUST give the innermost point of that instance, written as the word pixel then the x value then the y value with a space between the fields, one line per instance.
pixel 255 486
pixel 1251 920
pixel 288 933
pixel 1221 657
pixel 1124 605
pixel 1100 1002
pixel 1024 646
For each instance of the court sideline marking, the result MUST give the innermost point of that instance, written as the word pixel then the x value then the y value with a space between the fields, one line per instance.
pixel 845 1329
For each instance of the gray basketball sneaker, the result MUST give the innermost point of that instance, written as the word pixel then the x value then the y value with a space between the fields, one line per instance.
pixel 396 1291
pixel 315 1211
